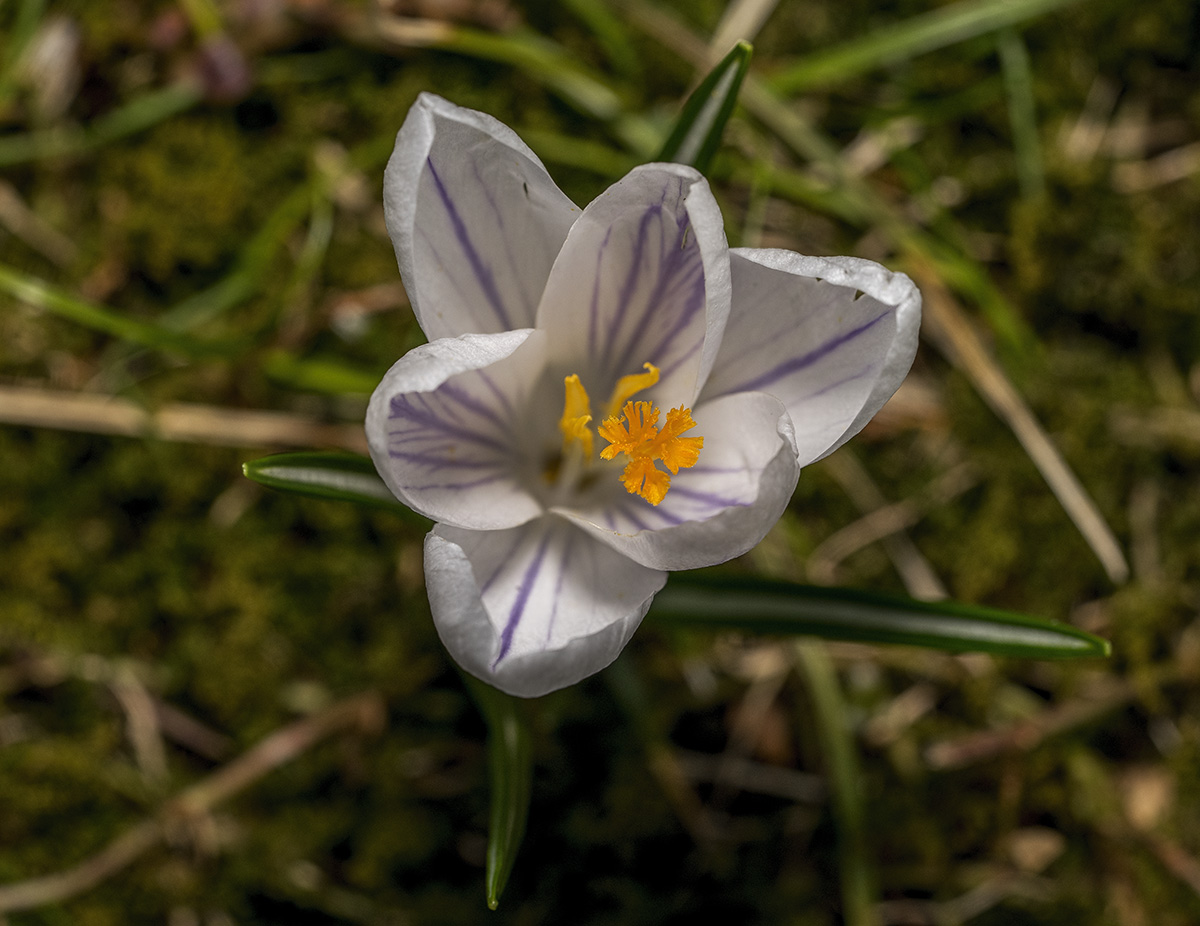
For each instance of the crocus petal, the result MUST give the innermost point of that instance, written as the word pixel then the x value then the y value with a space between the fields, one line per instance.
pixel 474 217
pixel 642 278
pixel 719 508
pixel 535 608
pixel 830 337
pixel 443 428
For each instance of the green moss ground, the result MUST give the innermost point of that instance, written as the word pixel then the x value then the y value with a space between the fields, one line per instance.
pixel 123 557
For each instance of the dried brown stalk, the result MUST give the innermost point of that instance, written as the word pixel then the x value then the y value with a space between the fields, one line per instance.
pixel 179 421
pixel 1027 734
pixel 947 325
pixel 363 712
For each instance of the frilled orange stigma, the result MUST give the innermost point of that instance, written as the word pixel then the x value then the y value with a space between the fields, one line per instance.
pixel 637 435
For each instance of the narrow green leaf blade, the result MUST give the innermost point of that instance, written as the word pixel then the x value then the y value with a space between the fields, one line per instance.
pixel 64 140
pixel 760 606
pixel 343 477
pixel 939 28
pixel 41 295
pixel 327 375
pixel 697 133
pixel 510 776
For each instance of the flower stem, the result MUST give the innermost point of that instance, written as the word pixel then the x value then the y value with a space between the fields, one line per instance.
pixel 845 783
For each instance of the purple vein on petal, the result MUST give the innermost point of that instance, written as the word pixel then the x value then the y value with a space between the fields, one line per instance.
pixel 483 273
pixel 438 258
pixel 634 519
pixel 509 241
pixel 683 321
pixel 471 404
pixel 711 499
pixel 795 364
pixel 428 426
pixel 558 586
pixel 473 484
pixel 523 592
pixel 437 461
pixel 593 318
pixel 496 573
pixel 505 404
pixel 632 277
pixel 668 518
pixel 869 368
pixel 679 266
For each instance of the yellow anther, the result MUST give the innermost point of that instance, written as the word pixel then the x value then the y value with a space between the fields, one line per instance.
pixel 628 386
pixel 577 414
pixel 638 436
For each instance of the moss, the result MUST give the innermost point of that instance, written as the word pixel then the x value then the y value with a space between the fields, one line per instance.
pixel 193 169
pixel 244 608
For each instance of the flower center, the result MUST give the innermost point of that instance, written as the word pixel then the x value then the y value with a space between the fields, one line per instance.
pixel 631 428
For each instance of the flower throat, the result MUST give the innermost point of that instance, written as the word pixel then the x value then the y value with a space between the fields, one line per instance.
pixel 631 428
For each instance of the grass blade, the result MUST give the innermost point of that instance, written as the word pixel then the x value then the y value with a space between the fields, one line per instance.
pixel 326 375
pixel 609 33
pixel 697 134
pixel 135 116
pixel 510 776
pixel 1022 114
pixel 762 606
pixel 928 32
pixel 845 783
pixel 343 477
pixel 41 295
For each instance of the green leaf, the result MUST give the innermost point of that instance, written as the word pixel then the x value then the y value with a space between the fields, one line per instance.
pixel 65 140
pixel 344 477
pixel 41 295
pixel 1022 112
pixel 763 606
pixel 319 374
pixel 510 776
pixel 542 59
pixel 938 28
pixel 843 772
pixel 697 134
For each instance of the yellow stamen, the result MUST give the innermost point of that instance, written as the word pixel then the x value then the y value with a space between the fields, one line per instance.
pixel 628 386
pixel 638 436
pixel 577 414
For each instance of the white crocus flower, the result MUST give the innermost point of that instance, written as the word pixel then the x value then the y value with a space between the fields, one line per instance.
pixel 606 394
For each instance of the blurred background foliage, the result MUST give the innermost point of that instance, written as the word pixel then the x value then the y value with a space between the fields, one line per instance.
pixel 191 233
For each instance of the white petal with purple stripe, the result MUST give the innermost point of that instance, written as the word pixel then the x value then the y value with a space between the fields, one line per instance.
pixel 642 278
pixel 832 338
pixel 719 508
pixel 445 426
pixel 475 219
pixel 534 608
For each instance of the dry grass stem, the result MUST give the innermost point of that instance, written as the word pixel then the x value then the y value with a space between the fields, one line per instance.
pixel 750 717
pixel 1083 140
pixel 887 523
pixel 916 404
pixel 179 421
pixel 141 720
pixel 35 231
pixel 1169 167
pixel 740 22
pixel 948 326
pixel 910 563
pixel 963 908
pixel 1026 735
pixel 1158 428
pixel 1144 503
pixel 753 777
pixel 363 712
